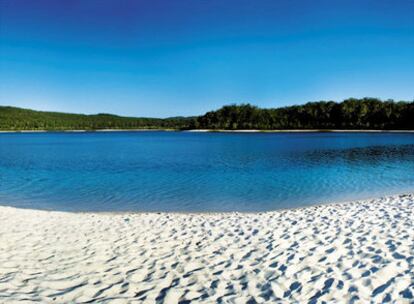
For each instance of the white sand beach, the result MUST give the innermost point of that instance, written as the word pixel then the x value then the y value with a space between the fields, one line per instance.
pixel 357 252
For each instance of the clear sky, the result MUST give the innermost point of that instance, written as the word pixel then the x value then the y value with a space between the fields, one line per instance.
pixel 185 57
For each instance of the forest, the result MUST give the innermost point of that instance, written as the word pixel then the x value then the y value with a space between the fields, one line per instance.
pixel 15 119
pixel 352 113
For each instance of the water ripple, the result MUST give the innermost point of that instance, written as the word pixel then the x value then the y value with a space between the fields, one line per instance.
pixel 161 171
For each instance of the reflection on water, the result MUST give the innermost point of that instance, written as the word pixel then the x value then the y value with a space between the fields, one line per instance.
pixel 364 156
pixel 167 171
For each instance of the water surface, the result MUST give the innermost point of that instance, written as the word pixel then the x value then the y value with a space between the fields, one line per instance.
pixel 182 171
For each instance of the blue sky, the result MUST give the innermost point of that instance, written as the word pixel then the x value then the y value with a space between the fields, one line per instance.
pixel 185 57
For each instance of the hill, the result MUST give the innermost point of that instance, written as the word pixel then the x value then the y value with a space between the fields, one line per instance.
pixel 12 118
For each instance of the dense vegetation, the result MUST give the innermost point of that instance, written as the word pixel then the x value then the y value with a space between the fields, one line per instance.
pixel 366 113
pixel 12 118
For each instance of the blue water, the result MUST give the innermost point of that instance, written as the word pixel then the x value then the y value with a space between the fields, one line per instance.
pixel 172 171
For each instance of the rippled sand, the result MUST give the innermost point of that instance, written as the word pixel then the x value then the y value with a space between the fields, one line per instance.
pixel 354 252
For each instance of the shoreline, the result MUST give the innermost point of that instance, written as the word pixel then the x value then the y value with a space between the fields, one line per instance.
pixel 302 131
pixel 215 213
pixel 360 251
pixel 213 131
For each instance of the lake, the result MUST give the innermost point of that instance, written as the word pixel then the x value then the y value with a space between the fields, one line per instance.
pixel 200 172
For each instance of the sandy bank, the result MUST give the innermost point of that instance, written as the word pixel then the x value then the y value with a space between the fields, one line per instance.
pixel 353 252
pixel 214 130
pixel 300 131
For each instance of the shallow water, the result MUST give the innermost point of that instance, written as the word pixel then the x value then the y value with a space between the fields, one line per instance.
pixel 182 171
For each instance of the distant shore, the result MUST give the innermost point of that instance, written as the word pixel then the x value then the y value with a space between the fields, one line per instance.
pixel 213 130
pixel 358 251
pixel 86 131
pixel 303 131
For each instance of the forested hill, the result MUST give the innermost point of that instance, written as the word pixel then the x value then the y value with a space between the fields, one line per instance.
pixel 12 118
pixel 366 113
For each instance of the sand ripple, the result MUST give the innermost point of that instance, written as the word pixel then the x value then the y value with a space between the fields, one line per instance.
pixel 355 252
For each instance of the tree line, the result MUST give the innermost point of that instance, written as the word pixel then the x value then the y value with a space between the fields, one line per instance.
pixel 14 119
pixel 352 113
pixel 365 113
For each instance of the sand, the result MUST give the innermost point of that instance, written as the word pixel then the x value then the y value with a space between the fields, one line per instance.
pixel 355 252
pixel 216 131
